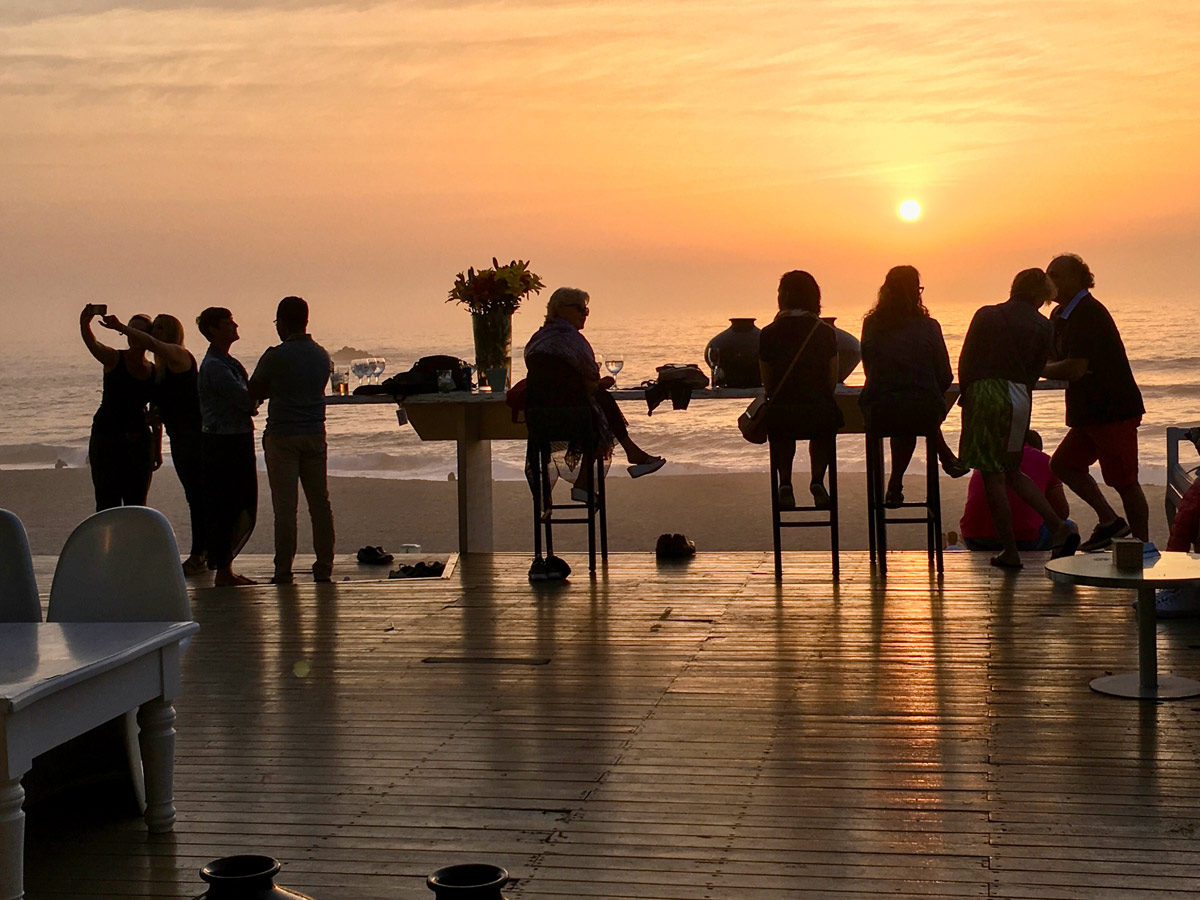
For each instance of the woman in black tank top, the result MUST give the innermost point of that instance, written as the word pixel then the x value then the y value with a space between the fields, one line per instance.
pixel 176 401
pixel 121 449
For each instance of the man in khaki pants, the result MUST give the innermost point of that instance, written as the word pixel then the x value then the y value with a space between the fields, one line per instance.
pixel 292 377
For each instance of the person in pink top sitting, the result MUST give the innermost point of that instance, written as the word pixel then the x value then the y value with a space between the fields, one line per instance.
pixel 1031 532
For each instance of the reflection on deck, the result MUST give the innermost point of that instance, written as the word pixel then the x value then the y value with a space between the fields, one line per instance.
pixel 691 731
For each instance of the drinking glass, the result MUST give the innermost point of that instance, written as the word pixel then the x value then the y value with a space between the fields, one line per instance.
pixel 378 366
pixel 361 368
pixel 614 364
pixel 712 356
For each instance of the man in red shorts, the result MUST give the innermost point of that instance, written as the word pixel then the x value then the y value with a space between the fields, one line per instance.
pixel 1104 405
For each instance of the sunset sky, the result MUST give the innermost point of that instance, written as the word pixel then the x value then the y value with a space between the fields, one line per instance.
pixel 664 155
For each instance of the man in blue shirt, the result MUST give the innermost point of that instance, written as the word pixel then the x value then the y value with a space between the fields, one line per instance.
pixel 292 376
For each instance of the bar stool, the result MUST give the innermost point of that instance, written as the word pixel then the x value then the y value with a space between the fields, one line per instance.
pixel 877 514
pixel 564 424
pixel 830 520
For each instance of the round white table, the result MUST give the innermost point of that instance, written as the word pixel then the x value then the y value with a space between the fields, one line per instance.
pixel 1167 570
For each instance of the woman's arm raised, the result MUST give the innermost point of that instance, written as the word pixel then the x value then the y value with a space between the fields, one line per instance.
pixel 104 354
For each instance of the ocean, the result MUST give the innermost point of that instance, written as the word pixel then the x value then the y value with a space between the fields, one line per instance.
pixel 52 390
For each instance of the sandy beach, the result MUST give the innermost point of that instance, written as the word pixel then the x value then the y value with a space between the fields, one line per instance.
pixel 719 512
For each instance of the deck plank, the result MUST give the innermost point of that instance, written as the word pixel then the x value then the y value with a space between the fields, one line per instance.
pixel 669 731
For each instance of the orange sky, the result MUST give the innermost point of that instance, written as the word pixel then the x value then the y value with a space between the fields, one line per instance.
pixel 166 155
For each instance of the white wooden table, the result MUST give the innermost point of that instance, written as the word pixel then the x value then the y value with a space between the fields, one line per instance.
pixel 1166 570
pixel 58 680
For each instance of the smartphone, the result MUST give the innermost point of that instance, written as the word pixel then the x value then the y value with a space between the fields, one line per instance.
pixel 98 309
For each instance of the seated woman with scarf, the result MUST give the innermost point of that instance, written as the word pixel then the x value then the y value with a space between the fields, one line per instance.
pixel 563 375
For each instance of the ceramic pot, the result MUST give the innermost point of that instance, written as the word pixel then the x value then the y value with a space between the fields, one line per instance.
pixel 473 881
pixel 733 356
pixel 245 878
pixel 493 345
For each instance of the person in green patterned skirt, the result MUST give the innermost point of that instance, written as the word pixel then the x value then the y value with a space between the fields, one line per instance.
pixel 1003 356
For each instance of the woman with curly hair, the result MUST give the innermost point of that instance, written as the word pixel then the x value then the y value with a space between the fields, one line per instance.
pixel 907 370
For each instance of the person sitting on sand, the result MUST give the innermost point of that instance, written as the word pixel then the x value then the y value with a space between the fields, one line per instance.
pixel 230 476
pixel 1003 355
pixel 563 372
pixel 1029 528
pixel 907 369
pixel 798 355
pixel 176 400
pixel 121 449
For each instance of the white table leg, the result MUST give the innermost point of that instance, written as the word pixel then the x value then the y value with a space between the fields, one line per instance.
pixel 12 840
pixel 474 485
pixel 157 721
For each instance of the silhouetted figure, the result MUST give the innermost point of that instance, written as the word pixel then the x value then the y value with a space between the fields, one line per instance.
pixel 563 372
pixel 1003 356
pixel 292 376
pixel 1104 405
pixel 121 449
pixel 176 401
pixel 907 370
pixel 230 478
pixel 802 399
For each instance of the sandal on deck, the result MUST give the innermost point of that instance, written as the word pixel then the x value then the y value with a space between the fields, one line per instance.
pixel 1001 563
pixel 374 556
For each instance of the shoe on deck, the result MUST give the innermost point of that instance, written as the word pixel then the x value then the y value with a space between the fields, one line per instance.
pixel 537 570
pixel 556 568
pixel 1103 535
pixel 1066 548
pixel 674 546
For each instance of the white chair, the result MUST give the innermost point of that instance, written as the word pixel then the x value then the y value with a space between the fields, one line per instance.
pixel 18 586
pixel 121 565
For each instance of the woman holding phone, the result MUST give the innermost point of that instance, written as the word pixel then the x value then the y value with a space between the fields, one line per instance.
pixel 121 450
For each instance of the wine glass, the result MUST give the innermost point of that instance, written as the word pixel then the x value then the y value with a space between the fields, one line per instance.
pixel 360 368
pixel 614 364
pixel 378 364
pixel 712 356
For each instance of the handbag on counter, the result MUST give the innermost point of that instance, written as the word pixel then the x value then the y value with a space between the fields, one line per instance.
pixel 753 422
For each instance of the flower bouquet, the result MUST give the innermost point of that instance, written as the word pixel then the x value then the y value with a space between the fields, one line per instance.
pixel 492 296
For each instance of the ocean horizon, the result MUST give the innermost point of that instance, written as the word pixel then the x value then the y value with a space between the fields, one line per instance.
pixel 49 424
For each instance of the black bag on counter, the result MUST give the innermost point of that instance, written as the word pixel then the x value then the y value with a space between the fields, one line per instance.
pixel 422 378
pixel 676 381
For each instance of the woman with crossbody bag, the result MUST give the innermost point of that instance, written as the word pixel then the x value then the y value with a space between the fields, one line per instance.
pixel 797 353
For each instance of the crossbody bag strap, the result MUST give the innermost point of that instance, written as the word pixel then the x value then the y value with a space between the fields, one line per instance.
pixel 799 353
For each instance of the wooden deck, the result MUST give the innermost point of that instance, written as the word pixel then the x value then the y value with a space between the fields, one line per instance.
pixel 682 731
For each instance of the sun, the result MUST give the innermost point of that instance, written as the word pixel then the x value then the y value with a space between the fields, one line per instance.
pixel 909 210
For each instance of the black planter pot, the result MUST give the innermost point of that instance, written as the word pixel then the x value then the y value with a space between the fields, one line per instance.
pixel 733 355
pixel 473 881
pixel 245 878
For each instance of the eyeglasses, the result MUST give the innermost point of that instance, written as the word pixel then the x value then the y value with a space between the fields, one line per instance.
pixel 921 289
pixel 582 309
